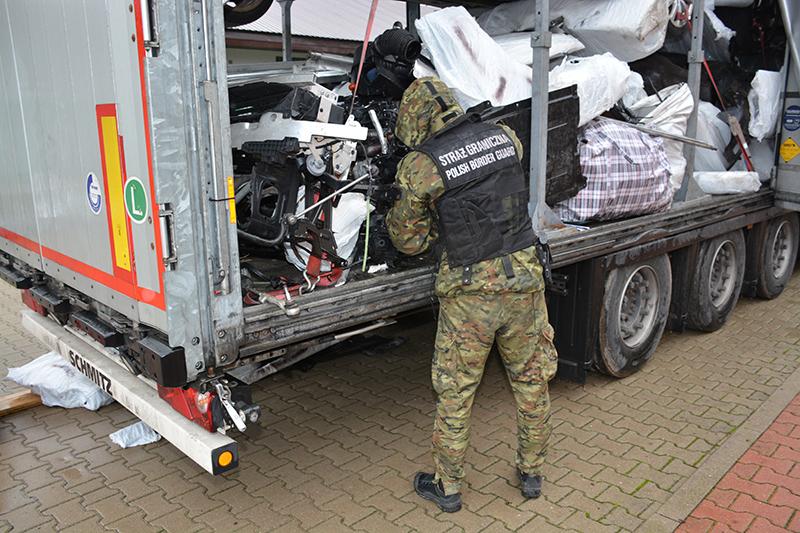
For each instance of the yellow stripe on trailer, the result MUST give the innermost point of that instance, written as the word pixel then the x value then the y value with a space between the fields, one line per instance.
pixel 231 200
pixel 116 201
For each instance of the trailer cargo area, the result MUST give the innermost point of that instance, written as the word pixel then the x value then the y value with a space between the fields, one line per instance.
pixel 172 223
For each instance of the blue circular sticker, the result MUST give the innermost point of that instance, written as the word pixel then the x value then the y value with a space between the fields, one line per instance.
pixel 791 118
pixel 94 193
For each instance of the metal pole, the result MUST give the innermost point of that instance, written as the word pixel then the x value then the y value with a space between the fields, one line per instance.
pixel 412 14
pixel 791 41
pixel 696 57
pixel 540 44
pixel 286 27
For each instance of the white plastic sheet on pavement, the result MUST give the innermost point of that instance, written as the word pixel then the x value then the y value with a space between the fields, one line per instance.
pixel 59 383
pixel 668 111
pixel 629 29
pixel 136 434
pixel 765 103
pixel 727 182
pixel 602 80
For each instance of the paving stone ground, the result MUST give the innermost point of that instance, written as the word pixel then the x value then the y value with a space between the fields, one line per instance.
pixel 339 442
pixel 761 492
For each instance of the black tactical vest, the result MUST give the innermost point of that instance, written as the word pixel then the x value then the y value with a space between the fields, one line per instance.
pixel 483 213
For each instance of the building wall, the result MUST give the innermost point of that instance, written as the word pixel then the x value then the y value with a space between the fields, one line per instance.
pixel 245 56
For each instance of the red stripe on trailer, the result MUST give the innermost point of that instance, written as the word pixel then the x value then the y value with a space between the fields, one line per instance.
pixel 159 296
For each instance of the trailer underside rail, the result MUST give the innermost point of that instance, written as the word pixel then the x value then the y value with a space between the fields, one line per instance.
pixel 268 327
pixel 566 249
pixel 215 452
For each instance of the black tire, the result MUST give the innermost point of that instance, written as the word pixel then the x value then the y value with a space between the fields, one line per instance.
pixel 634 314
pixel 717 281
pixel 241 12
pixel 776 255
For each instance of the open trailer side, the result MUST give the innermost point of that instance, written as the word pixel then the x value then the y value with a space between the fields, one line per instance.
pixel 120 226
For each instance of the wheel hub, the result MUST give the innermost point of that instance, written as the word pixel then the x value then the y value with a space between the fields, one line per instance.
pixel 722 280
pixel 780 250
pixel 637 310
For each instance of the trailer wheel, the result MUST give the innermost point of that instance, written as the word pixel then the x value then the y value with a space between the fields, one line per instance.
pixel 241 12
pixel 776 256
pixel 717 281
pixel 634 314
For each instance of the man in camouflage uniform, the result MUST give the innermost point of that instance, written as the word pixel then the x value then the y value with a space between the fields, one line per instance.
pixel 501 298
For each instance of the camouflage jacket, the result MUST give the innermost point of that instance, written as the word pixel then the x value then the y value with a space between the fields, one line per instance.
pixel 412 228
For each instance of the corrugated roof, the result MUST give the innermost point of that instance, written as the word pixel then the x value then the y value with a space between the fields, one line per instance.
pixel 342 19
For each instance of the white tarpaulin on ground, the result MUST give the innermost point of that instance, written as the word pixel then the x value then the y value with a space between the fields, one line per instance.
pixel 629 29
pixel 59 383
pixel 602 80
pixel 727 182
pixel 136 434
pixel 765 103
pixel 668 111
pixel 518 46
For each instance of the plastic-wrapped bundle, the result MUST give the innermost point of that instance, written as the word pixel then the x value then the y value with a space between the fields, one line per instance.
pixel 602 80
pixel 765 103
pixel 471 62
pixel 668 111
pixel 629 29
pixel 518 45
pixel 712 130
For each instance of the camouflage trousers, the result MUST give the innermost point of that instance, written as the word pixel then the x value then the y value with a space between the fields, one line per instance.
pixel 468 327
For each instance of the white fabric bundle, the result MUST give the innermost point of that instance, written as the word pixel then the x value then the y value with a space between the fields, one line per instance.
pixel 629 29
pixel 765 103
pixel 602 80
pixel 669 114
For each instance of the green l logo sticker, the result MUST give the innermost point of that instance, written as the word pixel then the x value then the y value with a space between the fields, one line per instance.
pixel 135 200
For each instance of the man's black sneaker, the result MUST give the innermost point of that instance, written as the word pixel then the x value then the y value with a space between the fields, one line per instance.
pixel 429 489
pixel 531 486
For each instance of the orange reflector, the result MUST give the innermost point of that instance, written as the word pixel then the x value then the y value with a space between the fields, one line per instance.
pixel 225 458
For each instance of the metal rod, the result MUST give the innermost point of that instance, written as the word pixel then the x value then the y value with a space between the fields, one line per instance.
pixel 666 135
pixel 540 45
pixel 696 57
pixel 373 116
pixel 412 15
pixel 293 218
pixel 286 27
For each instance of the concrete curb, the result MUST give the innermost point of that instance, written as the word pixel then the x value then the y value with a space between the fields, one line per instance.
pixel 680 505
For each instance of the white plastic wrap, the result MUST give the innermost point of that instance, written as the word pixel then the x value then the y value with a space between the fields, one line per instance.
pixel 712 130
pixel 727 182
pixel 670 114
pixel 470 61
pixel 602 80
pixel 629 29
pixel 518 46
pixel 634 91
pixel 765 103
pixel 346 220
pixel 136 434
pixel 59 383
